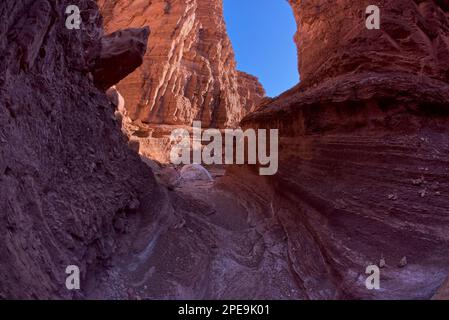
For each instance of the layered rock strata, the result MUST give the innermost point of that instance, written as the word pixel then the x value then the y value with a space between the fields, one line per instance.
pixel 333 39
pixel 364 149
pixel 189 71
pixel 69 186
pixel 363 167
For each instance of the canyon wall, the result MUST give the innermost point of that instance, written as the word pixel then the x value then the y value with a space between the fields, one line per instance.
pixel 189 72
pixel 364 149
pixel 413 38
pixel 69 186
pixel 363 167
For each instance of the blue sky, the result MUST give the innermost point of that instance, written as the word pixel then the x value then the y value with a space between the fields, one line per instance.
pixel 262 33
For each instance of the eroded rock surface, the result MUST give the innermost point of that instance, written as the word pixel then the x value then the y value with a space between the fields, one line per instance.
pixel 364 149
pixel 333 40
pixel 363 168
pixel 69 186
pixel 121 53
pixel 189 71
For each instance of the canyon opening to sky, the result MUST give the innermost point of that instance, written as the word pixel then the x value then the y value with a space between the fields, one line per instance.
pixel 93 207
pixel 261 32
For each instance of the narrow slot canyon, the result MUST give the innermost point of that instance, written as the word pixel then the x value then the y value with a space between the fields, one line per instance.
pixel 217 237
pixel 85 139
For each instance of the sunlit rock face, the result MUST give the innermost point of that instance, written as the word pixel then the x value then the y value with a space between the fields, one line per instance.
pixel 364 149
pixel 189 71
pixel 333 40
pixel 69 186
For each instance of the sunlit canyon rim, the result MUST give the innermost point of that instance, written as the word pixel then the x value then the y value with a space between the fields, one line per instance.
pixel 84 141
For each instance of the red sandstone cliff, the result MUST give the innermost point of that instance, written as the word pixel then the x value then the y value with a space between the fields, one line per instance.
pixel 189 71
pixel 364 149
pixel 333 40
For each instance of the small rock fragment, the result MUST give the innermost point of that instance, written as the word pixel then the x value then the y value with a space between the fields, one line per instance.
pixel 435 186
pixel 392 197
pixel 418 182
pixel 382 262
